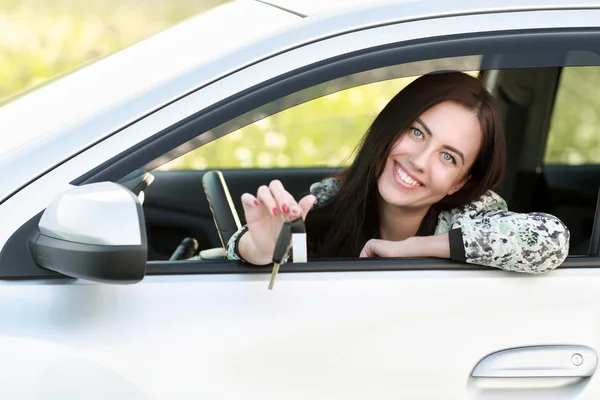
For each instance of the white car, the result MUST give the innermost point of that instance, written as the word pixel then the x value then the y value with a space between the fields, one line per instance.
pixel 94 303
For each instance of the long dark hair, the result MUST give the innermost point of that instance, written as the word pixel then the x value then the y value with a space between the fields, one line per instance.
pixel 341 227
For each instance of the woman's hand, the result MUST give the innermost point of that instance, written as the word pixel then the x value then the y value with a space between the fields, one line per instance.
pixel 418 246
pixel 385 248
pixel 265 215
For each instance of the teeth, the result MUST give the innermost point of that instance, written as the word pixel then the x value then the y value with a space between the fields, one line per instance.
pixel 405 178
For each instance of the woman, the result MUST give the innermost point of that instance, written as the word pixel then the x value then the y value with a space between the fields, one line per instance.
pixel 420 186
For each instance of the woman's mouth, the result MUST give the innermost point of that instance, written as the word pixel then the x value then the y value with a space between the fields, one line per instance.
pixel 404 178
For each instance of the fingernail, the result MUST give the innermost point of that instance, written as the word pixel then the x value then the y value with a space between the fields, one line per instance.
pixel 275 211
pixel 285 208
pixel 256 203
pixel 295 211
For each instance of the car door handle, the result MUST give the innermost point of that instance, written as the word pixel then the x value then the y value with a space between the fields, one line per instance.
pixel 555 361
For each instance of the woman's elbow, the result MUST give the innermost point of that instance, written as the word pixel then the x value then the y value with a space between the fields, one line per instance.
pixel 555 248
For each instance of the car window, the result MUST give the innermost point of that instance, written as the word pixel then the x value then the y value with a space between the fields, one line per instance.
pixel 317 127
pixel 299 139
pixel 319 133
pixel 320 127
pixel 176 208
pixel 571 170
pixel 574 136
pixel 234 137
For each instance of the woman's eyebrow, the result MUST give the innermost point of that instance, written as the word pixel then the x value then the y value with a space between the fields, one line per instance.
pixel 420 121
pixel 455 151
pixel 426 128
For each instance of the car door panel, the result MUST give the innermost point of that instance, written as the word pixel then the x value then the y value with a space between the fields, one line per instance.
pixel 376 335
pixel 175 204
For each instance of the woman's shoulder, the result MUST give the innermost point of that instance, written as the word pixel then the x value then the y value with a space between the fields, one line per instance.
pixel 324 190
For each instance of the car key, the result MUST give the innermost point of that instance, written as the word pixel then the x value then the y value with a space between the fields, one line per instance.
pixel 282 247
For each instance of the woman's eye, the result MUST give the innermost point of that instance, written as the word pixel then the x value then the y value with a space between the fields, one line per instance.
pixel 449 157
pixel 417 133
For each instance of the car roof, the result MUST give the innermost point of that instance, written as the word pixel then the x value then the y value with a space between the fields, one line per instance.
pixel 308 8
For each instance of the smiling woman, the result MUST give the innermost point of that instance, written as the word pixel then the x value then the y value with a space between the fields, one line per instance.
pixel 420 186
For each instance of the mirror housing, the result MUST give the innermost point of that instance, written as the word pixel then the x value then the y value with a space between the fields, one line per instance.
pixel 95 232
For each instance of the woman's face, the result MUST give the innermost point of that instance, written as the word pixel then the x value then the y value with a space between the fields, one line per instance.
pixel 431 160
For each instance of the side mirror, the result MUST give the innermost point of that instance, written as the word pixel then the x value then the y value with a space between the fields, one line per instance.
pixel 95 232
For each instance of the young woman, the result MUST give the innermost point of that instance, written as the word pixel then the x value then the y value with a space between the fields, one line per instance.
pixel 420 186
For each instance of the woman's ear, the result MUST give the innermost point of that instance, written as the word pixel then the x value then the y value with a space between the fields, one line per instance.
pixel 458 186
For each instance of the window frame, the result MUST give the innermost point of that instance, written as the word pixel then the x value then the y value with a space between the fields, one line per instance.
pixel 395 54
pixel 526 41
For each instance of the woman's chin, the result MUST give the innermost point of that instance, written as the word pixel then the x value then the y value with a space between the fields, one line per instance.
pixel 398 198
pixel 405 199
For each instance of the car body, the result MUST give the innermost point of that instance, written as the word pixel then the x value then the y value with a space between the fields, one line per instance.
pixel 330 329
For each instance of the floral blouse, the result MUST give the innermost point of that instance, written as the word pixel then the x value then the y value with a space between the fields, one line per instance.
pixel 483 232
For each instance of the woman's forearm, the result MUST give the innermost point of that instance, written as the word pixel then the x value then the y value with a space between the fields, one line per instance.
pixel 429 246
pixel 417 246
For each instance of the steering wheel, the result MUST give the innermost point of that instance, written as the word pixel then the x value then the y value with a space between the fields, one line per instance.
pixel 221 205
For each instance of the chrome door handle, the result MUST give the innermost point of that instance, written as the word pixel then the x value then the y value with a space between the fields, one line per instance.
pixel 555 361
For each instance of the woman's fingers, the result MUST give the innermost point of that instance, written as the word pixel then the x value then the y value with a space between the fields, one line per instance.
pixel 278 201
pixel 371 249
pixel 306 203
pixel 265 197
pixel 252 207
pixel 366 251
pixel 249 201
pixel 385 248
pixel 285 201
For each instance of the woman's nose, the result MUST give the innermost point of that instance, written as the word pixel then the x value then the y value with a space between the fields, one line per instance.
pixel 419 159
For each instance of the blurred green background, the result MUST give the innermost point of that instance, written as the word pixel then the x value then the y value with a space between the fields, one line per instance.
pixel 45 38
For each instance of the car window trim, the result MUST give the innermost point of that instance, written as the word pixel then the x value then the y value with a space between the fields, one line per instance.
pixel 340 265
pixel 224 267
pixel 16 253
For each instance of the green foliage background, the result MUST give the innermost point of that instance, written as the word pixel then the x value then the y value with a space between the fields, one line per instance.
pixel 45 38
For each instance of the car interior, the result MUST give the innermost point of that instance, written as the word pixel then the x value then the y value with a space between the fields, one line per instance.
pixel 569 192
pixel 177 208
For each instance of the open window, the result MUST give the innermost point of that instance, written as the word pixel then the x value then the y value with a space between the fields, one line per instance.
pixel 299 139
pixel 521 69
pixel 302 137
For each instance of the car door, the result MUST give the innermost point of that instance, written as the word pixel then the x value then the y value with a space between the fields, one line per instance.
pixel 382 328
